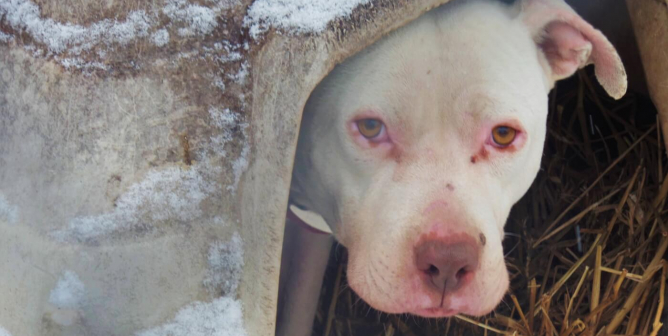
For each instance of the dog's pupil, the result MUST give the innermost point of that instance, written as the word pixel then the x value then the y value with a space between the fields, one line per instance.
pixel 370 124
pixel 502 131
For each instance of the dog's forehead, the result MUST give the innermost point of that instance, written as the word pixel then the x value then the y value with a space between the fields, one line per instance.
pixel 444 63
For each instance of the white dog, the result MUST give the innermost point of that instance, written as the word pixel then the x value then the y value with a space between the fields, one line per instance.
pixel 414 150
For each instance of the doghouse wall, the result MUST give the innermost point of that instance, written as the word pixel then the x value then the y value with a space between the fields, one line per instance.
pixel 145 156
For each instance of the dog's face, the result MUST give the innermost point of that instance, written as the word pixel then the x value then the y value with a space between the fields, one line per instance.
pixel 414 150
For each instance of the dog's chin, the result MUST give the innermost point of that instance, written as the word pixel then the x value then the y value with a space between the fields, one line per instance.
pixel 413 298
pixel 435 312
pixel 449 310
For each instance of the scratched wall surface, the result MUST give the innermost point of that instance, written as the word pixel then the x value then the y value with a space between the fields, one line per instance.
pixel 146 150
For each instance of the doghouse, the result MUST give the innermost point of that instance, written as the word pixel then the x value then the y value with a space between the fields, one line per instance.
pixel 146 151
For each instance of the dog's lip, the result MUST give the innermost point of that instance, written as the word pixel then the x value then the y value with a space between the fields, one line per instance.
pixel 436 312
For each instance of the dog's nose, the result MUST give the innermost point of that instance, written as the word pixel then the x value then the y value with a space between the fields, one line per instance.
pixel 448 266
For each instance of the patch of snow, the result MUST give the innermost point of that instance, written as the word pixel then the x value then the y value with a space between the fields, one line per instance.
pixel 78 63
pixel 223 4
pixel 171 193
pixel 242 99
pixel 4 332
pixel 301 16
pixel 25 15
pixel 36 52
pixel 242 74
pixel 69 291
pixel 5 38
pixel 221 317
pixel 225 121
pixel 232 56
pixel 8 212
pixel 218 82
pixel 232 50
pixel 219 221
pixel 222 52
pixel 200 19
pixel 239 166
pixel 136 25
pixel 226 261
pixel 160 38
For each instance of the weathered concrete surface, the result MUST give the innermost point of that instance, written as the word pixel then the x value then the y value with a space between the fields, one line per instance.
pixel 650 23
pixel 133 161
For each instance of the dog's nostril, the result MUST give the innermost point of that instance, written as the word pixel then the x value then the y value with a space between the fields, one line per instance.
pixel 433 270
pixel 461 273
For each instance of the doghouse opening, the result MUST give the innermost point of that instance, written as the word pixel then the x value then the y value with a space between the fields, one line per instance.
pixel 602 166
pixel 624 154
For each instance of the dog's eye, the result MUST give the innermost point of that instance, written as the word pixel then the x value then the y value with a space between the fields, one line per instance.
pixel 503 136
pixel 370 128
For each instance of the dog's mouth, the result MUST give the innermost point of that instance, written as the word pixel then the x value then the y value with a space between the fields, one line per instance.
pixel 436 312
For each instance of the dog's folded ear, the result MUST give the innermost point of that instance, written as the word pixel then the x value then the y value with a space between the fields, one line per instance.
pixel 569 43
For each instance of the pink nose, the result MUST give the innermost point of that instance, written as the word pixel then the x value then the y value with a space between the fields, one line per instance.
pixel 447 266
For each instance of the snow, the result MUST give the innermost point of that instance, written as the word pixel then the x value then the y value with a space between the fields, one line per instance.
pixel 78 63
pixel 8 212
pixel 226 262
pixel 4 332
pixel 301 16
pixel 225 120
pixel 200 19
pixel 58 37
pixel 5 38
pixel 170 193
pixel 222 119
pixel 223 4
pixel 218 82
pixel 160 38
pixel 242 74
pixel 69 291
pixel 24 15
pixel 221 317
pixel 239 166
pixel 136 24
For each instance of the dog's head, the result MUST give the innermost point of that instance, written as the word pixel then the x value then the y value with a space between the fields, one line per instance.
pixel 414 150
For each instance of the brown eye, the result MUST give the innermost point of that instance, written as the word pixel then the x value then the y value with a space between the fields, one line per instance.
pixel 503 136
pixel 369 128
